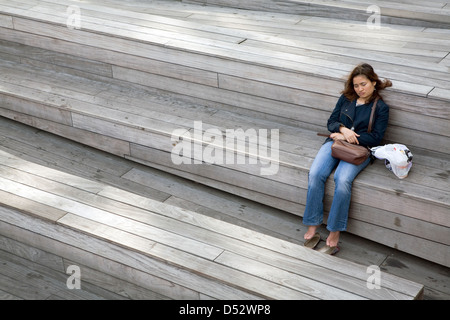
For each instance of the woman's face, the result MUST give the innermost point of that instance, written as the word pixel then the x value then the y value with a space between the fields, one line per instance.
pixel 363 87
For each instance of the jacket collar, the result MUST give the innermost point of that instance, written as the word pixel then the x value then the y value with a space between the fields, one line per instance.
pixel 349 109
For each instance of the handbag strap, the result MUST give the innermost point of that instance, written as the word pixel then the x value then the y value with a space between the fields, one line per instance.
pixel 369 129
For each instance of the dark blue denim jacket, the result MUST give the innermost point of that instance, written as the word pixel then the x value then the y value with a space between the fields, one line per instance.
pixel 346 113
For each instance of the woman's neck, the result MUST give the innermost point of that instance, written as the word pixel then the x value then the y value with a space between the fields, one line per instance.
pixel 360 101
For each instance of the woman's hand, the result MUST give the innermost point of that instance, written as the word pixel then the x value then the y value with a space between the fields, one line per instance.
pixel 337 136
pixel 349 135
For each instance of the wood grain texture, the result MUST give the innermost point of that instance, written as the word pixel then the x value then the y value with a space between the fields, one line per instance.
pixel 129 78
pixel 207 215
pixel 106 220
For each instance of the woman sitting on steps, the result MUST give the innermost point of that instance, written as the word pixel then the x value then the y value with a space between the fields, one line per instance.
pixel 349 121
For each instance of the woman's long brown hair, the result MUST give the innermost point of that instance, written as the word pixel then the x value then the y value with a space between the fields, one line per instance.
pixel 366 70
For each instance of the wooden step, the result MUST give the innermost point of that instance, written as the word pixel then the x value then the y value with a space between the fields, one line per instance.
pixel 175 252
pixel 208 40
pixel 416 13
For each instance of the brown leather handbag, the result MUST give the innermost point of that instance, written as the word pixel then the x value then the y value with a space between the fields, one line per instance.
pixel 353 153
pixel 349 152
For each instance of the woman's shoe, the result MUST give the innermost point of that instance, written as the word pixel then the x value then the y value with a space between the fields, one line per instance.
pixel 312 243
pixel 329 250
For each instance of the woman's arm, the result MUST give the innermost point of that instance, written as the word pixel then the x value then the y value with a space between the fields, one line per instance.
pixel 380 123
pixel 349 135
pixel 334 122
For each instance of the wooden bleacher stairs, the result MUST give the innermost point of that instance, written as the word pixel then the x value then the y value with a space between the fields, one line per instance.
pixel 115 236
pixel 131 74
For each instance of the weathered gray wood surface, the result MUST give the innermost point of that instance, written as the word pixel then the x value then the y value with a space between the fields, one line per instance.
pixel 433 14
pixel 100 85
pixel 50 151
pixel 142 247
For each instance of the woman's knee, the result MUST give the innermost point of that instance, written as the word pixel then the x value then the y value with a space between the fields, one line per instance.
pixel 343 183
pixel 315 176
pixel 346 173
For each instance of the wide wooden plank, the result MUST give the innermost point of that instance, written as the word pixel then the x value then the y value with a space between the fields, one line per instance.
pixel 32 207
pixel 287 278
pixel 439 93
pixel 111 145
pixel 14 165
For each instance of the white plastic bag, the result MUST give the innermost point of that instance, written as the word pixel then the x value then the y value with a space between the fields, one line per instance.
pixel 397 158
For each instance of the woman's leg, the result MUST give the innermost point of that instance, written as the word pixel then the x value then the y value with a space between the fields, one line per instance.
pixel 319 172
pixel 344 176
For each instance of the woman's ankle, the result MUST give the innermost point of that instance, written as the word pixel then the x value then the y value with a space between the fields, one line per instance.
pixel 333 238
pixel 310 232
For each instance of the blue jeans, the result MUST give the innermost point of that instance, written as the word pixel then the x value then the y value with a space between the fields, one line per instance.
pixel 344 175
